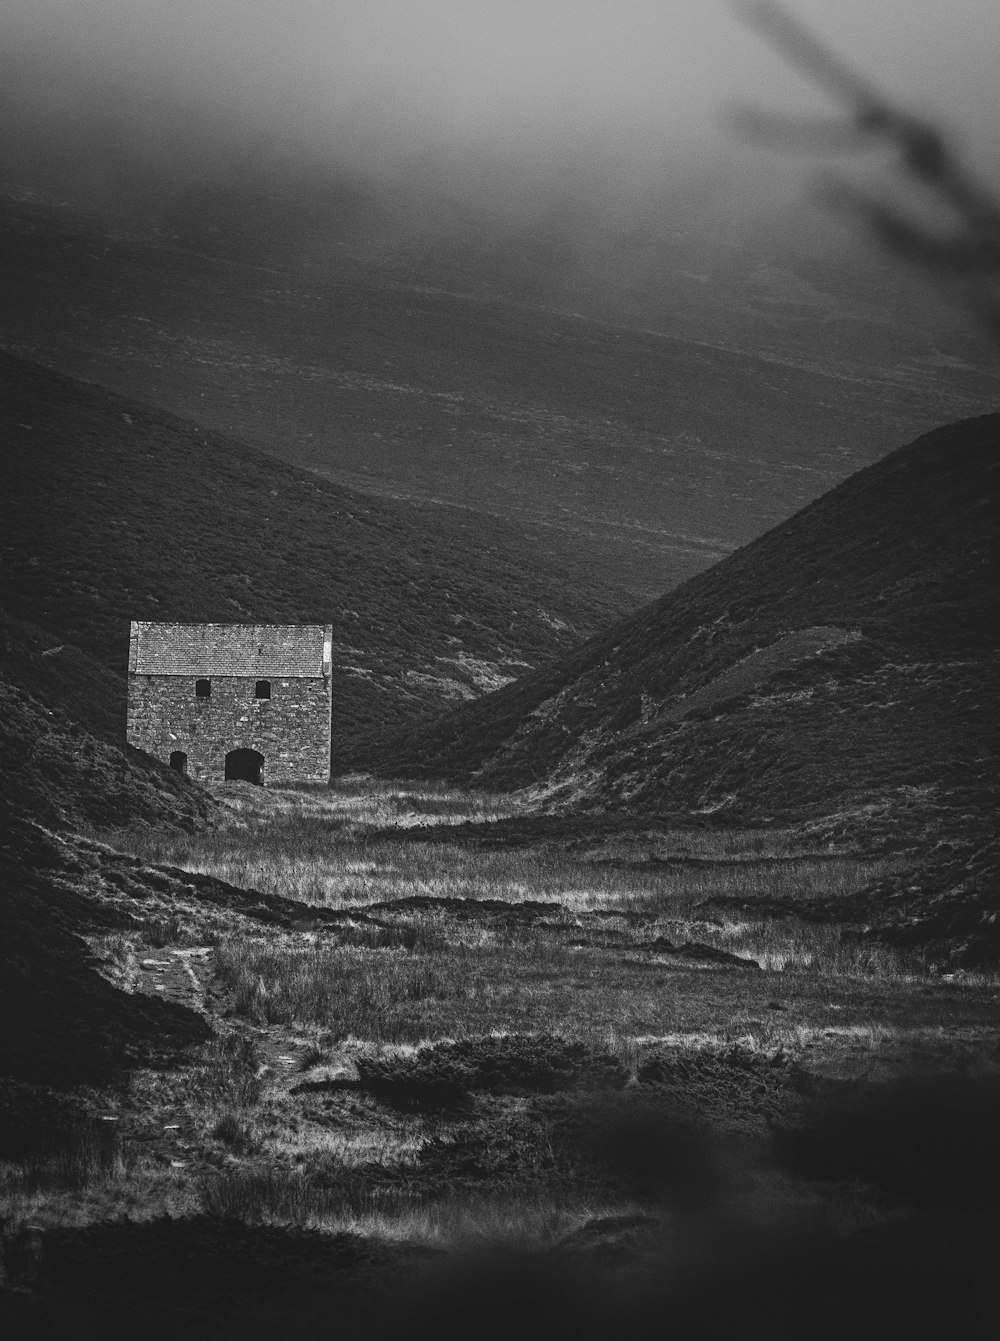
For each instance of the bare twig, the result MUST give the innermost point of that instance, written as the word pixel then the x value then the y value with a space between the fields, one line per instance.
pixel 967 254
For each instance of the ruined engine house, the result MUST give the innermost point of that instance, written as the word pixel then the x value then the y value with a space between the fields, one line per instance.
pixel 233 701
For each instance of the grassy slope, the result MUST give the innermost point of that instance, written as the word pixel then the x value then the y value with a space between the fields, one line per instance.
pixel 65 763
pixel 63 770
pixel 114 511
pixel 901 558
pixel 61 677
pixel 61 775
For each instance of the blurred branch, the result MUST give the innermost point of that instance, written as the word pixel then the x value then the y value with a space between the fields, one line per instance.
pixel 967 254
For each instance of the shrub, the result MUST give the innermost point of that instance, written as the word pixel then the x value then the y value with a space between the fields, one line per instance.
pixel 234 1132
pixel 230 1075
pixel 160 930
pixel 350 991
pixel 69 1160
pixel 445 1074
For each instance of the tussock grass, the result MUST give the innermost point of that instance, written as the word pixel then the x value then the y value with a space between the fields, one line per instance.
pixel 142 1192
pixel 581 965
pixel 821 947
pixel 91 1152
pixel 158 931
pixel 308 1199
pixel 584 952
pixel 236 1132
pixel 511 1223
pixel 229 1077
pixel 318 856
pixel 276 1195
pixel 800 879
pixel 525 979
pixel 353 991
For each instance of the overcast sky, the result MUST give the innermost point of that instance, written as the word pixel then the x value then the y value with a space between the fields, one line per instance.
pixel 387 78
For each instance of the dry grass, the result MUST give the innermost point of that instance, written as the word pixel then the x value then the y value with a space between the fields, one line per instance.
pixel 586 965
pixel 89 1154
pixel 784 943
pixel 340 850
pixel 353 991
pixel 529 979
pixel 459 1221
pixel 264 1141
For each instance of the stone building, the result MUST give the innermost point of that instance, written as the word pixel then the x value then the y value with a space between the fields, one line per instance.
pixel 233 701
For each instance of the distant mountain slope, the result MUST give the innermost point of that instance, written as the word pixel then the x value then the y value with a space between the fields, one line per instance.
pixel 640 443
pixel 114 511
pixel 845 664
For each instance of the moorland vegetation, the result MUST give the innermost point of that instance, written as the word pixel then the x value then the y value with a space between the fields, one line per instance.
pixel 349 1059
pixel 701 393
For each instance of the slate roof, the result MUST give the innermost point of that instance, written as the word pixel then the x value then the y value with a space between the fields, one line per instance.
pixel 260 651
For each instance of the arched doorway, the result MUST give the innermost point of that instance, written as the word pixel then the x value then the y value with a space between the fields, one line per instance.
pixel 244 766
pixel 179 761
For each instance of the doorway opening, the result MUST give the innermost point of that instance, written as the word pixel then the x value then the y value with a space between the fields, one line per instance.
pixel 244 766
pixel 178 761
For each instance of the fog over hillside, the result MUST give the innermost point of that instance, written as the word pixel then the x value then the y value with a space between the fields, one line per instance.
pixel 524 111
pixel 388 80
pixel 432 249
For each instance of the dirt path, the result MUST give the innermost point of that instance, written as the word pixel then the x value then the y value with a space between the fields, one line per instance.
pixel 178 975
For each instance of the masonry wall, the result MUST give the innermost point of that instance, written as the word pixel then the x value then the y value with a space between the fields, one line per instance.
pixel 291 729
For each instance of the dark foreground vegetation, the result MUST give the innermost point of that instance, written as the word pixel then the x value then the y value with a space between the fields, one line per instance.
pixel 321 1066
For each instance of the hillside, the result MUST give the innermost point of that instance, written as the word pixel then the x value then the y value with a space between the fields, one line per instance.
pixel 114 511
pixel 844 662
pixel 65 763
pixel 664 400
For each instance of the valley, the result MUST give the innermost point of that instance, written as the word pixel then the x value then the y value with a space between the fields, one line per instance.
pixel 638 968
pixel 634 446
pixel 626 952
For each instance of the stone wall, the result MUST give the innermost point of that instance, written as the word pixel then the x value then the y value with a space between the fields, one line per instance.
pixel 291 729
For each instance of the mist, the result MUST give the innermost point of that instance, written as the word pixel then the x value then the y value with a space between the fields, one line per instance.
pixel 393 122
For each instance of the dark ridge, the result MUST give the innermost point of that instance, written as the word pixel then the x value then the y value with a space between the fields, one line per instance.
pixel 900 561
pixel 60 774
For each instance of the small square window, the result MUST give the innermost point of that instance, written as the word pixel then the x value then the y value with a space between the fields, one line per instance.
pixel 203 688
pixel 263 689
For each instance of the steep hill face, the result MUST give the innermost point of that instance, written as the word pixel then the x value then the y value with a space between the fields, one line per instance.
pixel 64 761
pixel 842 666
pixel 113 511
